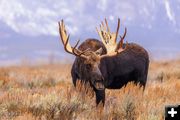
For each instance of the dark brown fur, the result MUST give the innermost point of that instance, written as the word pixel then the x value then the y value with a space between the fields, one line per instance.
pixel 114 72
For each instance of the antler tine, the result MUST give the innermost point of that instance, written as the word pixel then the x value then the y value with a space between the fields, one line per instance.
pixel 60 31
pixel 100 33
pixel 108 29
pixel 124 35
pixel 103 27
pixel 121 43
pixel 117 30
pixel 66 45
pixel 74 48
pixel 122 38
pixel 63 29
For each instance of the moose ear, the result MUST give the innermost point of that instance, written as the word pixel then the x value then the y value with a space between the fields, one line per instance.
pixel 99 51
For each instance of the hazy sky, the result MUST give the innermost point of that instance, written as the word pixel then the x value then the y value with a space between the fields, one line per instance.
pixel 29 29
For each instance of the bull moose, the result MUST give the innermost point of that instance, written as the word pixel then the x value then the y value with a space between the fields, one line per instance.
pixel 106 64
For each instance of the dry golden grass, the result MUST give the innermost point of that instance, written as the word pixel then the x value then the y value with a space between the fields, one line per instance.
pixel 46 92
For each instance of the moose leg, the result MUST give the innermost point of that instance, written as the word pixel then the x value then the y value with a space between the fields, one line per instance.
pixel 74 79
pixel 142 81
pixel 100 97
pixel 142 78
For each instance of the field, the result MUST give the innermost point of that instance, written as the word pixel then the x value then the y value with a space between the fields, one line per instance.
pixel 46 92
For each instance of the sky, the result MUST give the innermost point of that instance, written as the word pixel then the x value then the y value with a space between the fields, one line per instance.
pixel 29 29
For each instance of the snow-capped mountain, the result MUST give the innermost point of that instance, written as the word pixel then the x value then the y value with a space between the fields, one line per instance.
pixel 30 29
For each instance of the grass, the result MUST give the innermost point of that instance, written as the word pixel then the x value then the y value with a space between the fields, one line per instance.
pixel 46 92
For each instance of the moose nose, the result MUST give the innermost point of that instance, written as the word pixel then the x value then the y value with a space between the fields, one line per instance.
pixel 99 84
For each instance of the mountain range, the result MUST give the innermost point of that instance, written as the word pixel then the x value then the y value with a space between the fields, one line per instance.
pixel 29 29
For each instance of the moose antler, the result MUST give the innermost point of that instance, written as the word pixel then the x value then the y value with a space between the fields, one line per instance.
pixel 65 41
pixel 120 44
pixel 109 39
